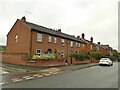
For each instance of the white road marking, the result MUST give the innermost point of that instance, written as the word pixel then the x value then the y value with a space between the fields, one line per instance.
pixel 55 73
pixel 28 77
pixel 50 72
pixel 35 75
pixel 47 74
pixel 17 80
pixel 40 76
pixel 14 79
pixel 2 83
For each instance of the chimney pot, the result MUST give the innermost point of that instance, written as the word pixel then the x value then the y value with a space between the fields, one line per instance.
pixel 59 30
pixel 23 18
pixel 98 43
pixel 78 36
pixel 83 36
pixel 91 39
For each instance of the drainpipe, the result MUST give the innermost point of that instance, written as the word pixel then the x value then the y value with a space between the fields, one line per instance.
pixel 67 51
pixel 30 43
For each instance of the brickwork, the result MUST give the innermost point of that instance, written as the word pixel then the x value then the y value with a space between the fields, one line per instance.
pixel 27 43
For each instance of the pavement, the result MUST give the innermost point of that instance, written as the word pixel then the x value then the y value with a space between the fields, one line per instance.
pixel 17 73
pixel 16 68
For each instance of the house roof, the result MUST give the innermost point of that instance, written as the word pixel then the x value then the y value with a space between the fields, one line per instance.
pixel 52 32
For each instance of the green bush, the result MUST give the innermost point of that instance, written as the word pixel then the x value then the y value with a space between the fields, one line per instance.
pixel 44 56
pixel 96 55
pixel 78 56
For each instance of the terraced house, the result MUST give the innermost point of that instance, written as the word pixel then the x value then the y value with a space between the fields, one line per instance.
pixel 29 38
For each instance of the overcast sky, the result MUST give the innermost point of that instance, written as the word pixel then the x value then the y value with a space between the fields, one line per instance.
pixel 97 18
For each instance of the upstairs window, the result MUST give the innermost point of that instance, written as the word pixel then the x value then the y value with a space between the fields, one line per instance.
pixel 55 40
pixel 38 51
pixel 91 47
pixel 49 38
pixel 71 44
pixel 77 44
pixel 83 45
pixel 39 37
pixel 16 38
pixel 63 42
pixel 97 47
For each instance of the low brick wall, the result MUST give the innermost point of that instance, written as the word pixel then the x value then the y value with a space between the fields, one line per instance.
pixel 20 59
pixel 73 61
pixel 44 63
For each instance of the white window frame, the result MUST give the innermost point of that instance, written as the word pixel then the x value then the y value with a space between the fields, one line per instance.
pixel 55 39
pixel 79 44
pixel 38 52
pixel 98 48
pixel 71 43
pixel 49 38
pixel 63 42
pixel 39 37
pixel 16 38
pixel 62 54
pixel 91 47
pixel 83 45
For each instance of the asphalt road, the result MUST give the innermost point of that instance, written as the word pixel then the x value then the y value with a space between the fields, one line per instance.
pixel 93 77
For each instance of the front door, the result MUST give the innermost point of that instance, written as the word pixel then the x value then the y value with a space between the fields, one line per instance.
pixel 70 60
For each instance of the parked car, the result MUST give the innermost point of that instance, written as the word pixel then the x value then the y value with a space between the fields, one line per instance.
pixel 105 61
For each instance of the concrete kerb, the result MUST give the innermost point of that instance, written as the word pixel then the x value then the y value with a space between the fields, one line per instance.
pixel 49 70
pixel 85 67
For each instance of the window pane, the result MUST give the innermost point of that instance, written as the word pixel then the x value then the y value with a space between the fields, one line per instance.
pixel 55 40
pixel 16 38
pixel 39 37
pixel 49 39
pixel 71 43
pixel 83 45
pixel 62 54
pixel 39 51
pixel 63 42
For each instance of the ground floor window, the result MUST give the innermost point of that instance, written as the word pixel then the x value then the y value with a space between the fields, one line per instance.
pixel 62 54
pixel 39 51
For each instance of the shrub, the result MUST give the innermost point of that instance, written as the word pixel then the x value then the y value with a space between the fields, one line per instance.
pixel 44 56
pixel 78 56
pixel 96 55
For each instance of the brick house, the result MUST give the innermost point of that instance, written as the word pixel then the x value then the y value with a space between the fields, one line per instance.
pixel 93 47
pixel 26 37
pixel 30 38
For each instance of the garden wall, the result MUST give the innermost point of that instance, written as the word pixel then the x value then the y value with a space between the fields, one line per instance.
pixel 20 59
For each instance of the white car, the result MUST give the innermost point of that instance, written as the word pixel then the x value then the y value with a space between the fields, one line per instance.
pixel 105 61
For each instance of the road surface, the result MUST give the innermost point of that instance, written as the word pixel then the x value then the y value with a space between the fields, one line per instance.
pixel 93 77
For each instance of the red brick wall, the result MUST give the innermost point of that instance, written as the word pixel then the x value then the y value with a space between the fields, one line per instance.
pixel 20 59
pixel 23 44
pixel 14 58
pixel 45 45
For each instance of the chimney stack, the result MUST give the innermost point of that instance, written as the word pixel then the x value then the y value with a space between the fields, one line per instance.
pixel 59 30
pixel 23 18
pixel 91 39
pixel 98 43
pixel 83 36
pixel 78 37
